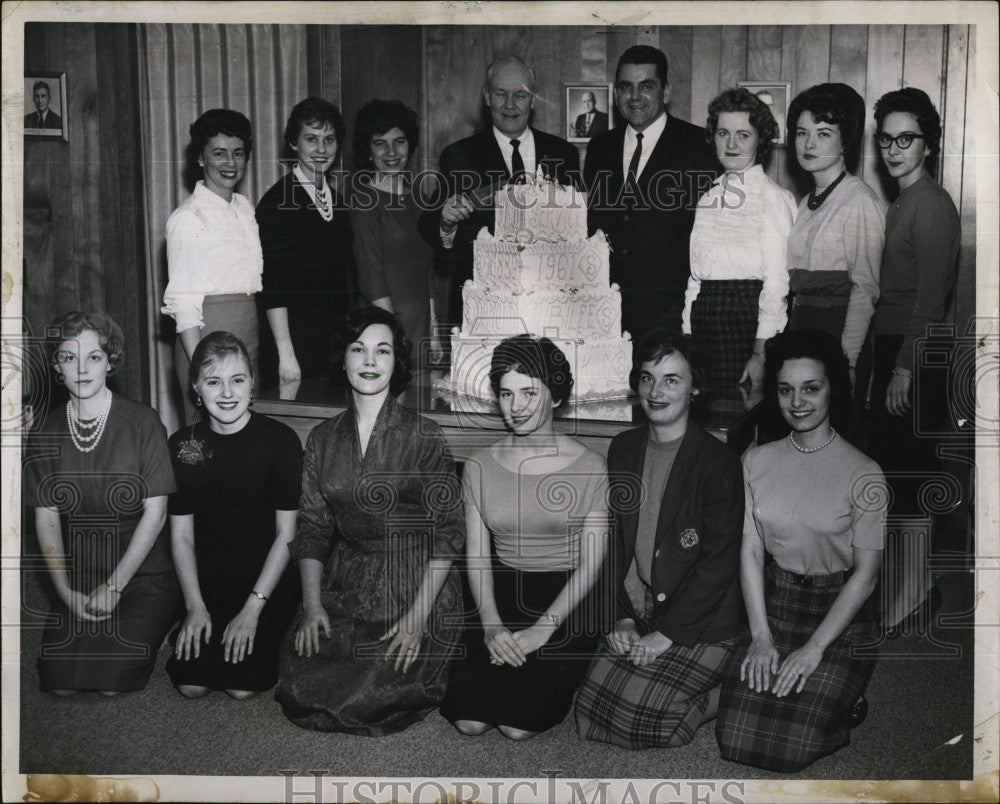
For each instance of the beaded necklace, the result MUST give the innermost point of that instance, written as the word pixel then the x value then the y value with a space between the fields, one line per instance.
pixel 816 201
pixel 791 437
pixel 86 435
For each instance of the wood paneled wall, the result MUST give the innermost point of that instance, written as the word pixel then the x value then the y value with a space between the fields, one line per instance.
pixel 703 60
pixel 83 233
pixel 82 201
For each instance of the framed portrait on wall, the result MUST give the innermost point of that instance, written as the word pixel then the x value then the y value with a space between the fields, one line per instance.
pixel 588 111
pixel 45 108
pixel 776 94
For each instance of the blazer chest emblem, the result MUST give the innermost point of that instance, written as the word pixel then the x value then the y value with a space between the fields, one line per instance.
pixel 689 538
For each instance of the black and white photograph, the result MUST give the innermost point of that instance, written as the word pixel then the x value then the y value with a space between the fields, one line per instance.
pixel 775 94
pixel 500 402
pixel 588 111
pixel 46 111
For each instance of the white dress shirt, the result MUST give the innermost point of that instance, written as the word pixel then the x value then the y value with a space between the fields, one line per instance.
pixel 741 232
pixel 213 248
pixel 650 136
pixel 526 147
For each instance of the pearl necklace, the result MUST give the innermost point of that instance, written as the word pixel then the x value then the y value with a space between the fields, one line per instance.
pixel 78 430
pixel 800 448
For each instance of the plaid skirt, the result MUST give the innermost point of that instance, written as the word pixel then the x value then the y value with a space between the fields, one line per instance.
pixel 659 705
pixel 789 734
pixel 724 325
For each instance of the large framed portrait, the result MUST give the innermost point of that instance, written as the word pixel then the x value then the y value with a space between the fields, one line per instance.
pixel 588 111
pixel 776 94
pixel 45 108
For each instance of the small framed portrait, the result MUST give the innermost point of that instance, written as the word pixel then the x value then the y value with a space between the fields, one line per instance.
pixel 776 94
pixel 45 108
pixel 588 111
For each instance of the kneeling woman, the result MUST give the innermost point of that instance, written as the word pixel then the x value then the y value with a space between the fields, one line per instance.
pixel 816 506
pixel 536 515
pixel 380 523
pixel 238 481
pixel 675 565
pixel 97 473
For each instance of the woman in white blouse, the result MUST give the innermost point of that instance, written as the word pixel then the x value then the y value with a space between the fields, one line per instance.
pixel 213 248
pixel 736 295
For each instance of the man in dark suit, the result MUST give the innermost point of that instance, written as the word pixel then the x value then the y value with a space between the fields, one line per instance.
pixel 673 565
pixel 643 181
pixel 475 167
pixel 591 121
pixel 43 116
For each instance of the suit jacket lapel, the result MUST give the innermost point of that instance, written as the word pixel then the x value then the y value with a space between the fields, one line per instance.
pixel 679 482
pixel 617 155
pixel 630 518
pixel 493 156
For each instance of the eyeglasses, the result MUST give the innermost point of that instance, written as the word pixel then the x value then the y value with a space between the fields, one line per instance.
pixel 904 140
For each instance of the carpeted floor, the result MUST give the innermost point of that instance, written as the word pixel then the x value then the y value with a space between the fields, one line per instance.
pixel 920 700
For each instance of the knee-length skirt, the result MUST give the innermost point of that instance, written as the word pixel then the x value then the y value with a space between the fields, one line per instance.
pixel 537 695
pixel 724 326
pixel 658 705
pixel 789 734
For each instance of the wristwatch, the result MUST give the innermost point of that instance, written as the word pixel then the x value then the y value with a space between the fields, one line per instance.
pixel 112 588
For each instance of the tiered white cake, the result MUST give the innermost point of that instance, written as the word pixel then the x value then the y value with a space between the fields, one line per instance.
pixel 540 274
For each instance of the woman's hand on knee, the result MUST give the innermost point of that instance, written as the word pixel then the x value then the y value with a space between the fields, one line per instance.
pixel 197 625
pixel 798 666
pixel 307 633
pixel 760 663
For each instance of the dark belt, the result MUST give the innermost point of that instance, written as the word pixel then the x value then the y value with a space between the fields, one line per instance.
pixel 811 581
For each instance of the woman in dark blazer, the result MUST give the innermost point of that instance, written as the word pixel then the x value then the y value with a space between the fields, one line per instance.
pixel 677 497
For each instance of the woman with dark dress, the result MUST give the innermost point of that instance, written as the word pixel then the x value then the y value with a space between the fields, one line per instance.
pixel 537 522
pixel 238 482
pixel 306 238
pixel 835 245
pixel 737 293
pixel 97 474
pixel 676 565
pixel 394 262
pixel 213 246
pixel 813 535
pixel 380 523
pixel 923 235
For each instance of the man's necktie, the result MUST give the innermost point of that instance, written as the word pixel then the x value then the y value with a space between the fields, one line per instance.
pixel 633 166
pixel 516 163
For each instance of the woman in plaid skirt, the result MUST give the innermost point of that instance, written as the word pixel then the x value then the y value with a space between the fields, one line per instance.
pixel 737 292
pixel 813 536
pixel 677 496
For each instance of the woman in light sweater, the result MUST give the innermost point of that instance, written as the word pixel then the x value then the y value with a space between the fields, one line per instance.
pixel 835 246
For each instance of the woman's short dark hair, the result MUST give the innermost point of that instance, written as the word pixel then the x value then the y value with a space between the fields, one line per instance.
pixel 534 357
pixel 916 102
pixel 811 344
pixel 378 117
pixel 658 344
pixel 833 103
pixel 355 323
pixel 214 347
pixel 70 325
pixel 742 99
pixel 312 112
pixel 219 121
